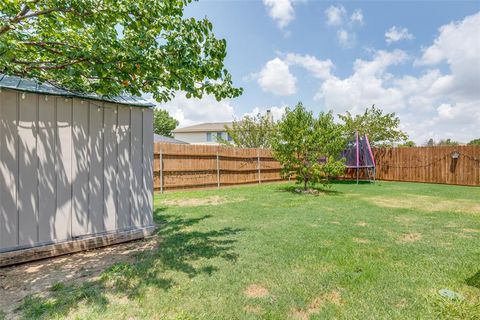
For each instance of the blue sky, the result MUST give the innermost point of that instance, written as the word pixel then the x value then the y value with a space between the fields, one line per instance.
pixel 418 59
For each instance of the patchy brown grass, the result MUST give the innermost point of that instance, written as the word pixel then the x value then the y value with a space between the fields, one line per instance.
pixel 332 297
pixel 361 240
pixel 405 220
pixel 427 203
pixel 256 310
pixel 361 224
pixel 409 238
pixel 37 277
pixel 468 230
pixel 256 291
pixel 207 201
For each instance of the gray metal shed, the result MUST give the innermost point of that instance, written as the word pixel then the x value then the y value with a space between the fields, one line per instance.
pixel 75 170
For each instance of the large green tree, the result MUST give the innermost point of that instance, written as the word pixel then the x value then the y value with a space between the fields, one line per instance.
pixel 447 142
pixel 307 147
pixel 381 129
pixel 475 142
pixel 250 132
pixel 112 47
pixel 163 122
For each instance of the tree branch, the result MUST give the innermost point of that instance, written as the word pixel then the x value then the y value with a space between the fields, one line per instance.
pixel 22 15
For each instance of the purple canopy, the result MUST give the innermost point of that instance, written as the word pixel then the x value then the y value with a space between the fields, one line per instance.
pixel 359 155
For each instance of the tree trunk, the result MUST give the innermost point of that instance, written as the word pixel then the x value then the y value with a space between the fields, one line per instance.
pixel 305 181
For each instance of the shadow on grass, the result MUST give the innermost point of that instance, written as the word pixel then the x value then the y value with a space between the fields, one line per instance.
pixel 351 182
pixel 474 280
pixel 178 249
pixel 297 189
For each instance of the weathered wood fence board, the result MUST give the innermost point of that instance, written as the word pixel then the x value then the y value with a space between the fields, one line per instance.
pixel 197 166
pixel 430 164
pixel 427 164
pixel 200 166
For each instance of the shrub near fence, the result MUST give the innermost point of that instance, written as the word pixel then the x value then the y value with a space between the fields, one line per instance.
pixel 197 166
pixel 200 166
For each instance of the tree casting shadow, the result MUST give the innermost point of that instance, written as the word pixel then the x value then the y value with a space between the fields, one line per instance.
pixel 474 280
pixel 177 249
pixel 320 189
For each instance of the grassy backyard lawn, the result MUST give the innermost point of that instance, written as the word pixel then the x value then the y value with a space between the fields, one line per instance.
pixel 378 251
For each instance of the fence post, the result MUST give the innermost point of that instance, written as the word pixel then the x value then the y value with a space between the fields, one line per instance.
pixel 161 170
pixel 258 166
pixel 218 171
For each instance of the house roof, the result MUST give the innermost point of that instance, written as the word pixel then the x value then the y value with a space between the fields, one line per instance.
pixel 204 127
pixel 164 139
pixel 32 85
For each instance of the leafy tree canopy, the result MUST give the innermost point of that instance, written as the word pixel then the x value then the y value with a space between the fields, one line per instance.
pixel 475 142
pixel 381 129
pixel 447 142
pixel 163 123
pixel 114 46
pixel 430 143
pixel 408 143
pixel 250 132
pixel 308 147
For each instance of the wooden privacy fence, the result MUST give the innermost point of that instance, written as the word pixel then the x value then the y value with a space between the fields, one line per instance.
pixel 458 165
pixel 196 166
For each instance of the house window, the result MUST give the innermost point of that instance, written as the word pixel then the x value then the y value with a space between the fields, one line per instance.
pixel 212 136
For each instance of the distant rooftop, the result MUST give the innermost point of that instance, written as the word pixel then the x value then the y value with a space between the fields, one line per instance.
pixel 164 139
pixel 31 85
pixel 204 127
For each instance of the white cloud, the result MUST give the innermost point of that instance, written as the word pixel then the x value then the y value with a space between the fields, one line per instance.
pixel 345 38
pixel 335 15
pixel 395 34
pixel 433 104
pixel 281 11
pixel 320 69
pixel 357 17
pixel 192 111
pixel 275 77
pixel 277 112
pixel 458 44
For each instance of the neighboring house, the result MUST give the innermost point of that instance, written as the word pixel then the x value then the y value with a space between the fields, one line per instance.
pixel 164 139
pixel 204 133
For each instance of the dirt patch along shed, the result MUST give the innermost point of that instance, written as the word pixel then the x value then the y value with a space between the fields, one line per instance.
pixel 75 170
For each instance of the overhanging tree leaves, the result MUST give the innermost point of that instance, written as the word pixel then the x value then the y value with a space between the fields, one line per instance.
pixel 114 46
pixel 475 142
pixel 381 129
pixel 250 132
pixel 163 123
pixel 309 148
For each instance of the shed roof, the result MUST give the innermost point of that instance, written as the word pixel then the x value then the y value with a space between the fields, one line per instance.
pixel 205 127
pixel 35 86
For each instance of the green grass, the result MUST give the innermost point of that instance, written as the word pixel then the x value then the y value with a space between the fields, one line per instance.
pixel 378 251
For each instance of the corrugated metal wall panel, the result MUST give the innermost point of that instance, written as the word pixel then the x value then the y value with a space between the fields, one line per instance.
pixel 8 169
pixel 147 166
pixel 136 155
pixel 124 168
pixel 27 169
pixel 46 168
pixel 71 168
pixel 96 223
pixel 62 225
pixel 110 166
pixel 80 170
